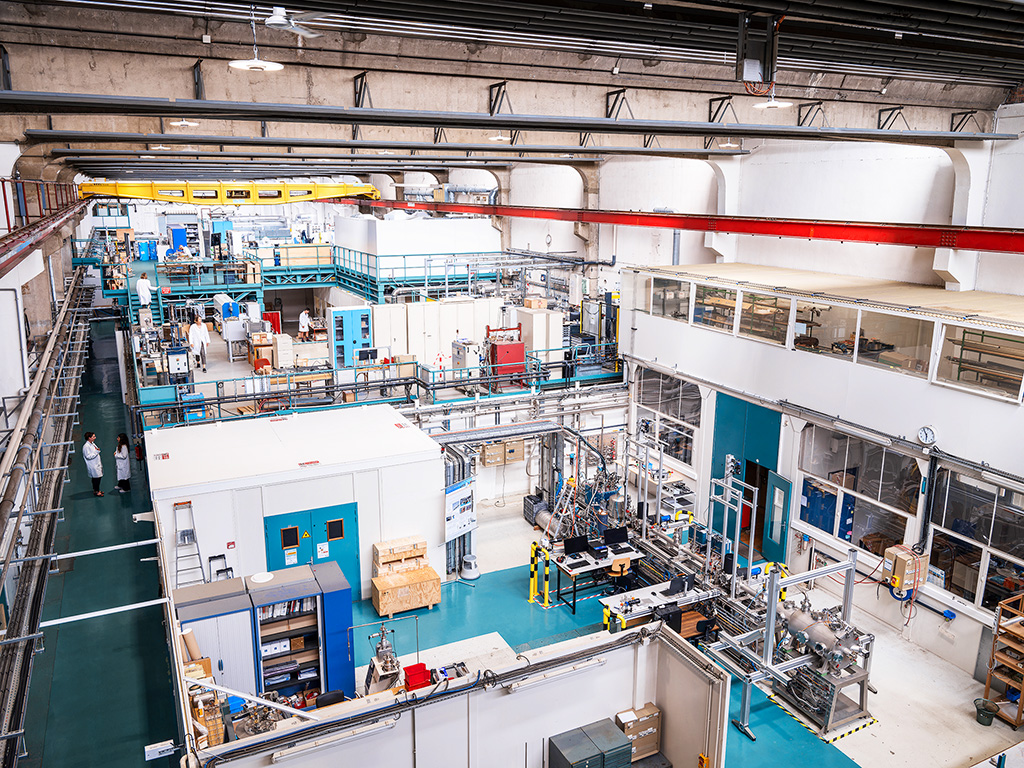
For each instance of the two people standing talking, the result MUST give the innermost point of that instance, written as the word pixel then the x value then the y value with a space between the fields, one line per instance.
pixel 94 463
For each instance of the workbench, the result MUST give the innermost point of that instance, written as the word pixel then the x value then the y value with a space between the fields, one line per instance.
pixel 590 569
pixel 623 611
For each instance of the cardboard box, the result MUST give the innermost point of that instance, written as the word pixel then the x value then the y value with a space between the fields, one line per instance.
pixel 261 338
pixel 297 643
pixel 643 728
pixel 399 549
pixel 515 450
pixel 492 454
pixel 406 365
pixel 535 302
pixel 348 397
pixel 903 569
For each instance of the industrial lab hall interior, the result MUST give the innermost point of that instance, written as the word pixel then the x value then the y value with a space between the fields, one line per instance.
pixel 569 383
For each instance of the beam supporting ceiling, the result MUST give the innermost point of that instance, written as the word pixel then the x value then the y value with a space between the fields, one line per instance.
pixel 22 102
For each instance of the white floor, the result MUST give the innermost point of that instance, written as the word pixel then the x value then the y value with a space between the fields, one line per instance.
pixel 503 537
pixel 924 707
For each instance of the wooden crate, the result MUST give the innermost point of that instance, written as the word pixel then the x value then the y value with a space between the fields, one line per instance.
pixel 399 549
pixel 399 566
pixel 399 592
pixel 492 454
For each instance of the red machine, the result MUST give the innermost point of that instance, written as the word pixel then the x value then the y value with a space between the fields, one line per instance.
pixel 506 352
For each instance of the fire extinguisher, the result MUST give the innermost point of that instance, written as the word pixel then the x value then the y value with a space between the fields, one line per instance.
pixel 138 452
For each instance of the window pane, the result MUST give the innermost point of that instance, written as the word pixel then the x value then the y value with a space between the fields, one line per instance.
pixel 825 329
pixel 1008 527
pixel 863 470
pixel 942 479
pixel 875 529
pixel 983 360
pixel 765 317
pixel 823 452
pixel 818 506
pixel 891 341
pixel 714 306
pixel 901 482
pixel 970 507
pixel 671 299
pixel 650 389
pixel 678 441
pixel 671 396
pixel 1005 578
pixel 956 563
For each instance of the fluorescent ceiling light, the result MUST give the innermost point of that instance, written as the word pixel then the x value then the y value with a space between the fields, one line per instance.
pixel 183 123
pixel 159 146
pixel 256 65
pixel 500 137
pixel 530 682
pixel 867 434
pixel 1005 482
pixel 729 143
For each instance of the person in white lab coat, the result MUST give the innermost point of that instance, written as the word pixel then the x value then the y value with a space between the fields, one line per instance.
pixel 91 454
pixel 199 340
pixel 144 289
pixel 123 462
pixel 304 325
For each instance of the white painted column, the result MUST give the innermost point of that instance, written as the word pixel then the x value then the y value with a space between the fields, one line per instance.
pixel 959 268
pixel 727 174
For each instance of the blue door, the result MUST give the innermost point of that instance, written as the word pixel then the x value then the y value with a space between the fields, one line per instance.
pixel 776 519
pixel 289 540
pixel 335 532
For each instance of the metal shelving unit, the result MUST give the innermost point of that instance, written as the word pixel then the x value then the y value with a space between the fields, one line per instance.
pixel 1006 664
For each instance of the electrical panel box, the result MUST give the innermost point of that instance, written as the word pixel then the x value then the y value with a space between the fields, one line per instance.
pixel 901 568
pixel 508 357
pixel 467 354
pixel 591 318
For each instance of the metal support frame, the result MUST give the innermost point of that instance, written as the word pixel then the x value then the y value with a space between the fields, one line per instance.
pixel 887 117
pixel 363 98
pixel 198 86
pixel 497 97
pixel 5 70
pixel 808 110
pixel 614 102
pixel 758 44
pixel 959 120
pixel 764 667
pixel 718 107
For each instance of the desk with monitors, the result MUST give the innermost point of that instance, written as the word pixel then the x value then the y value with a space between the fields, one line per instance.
pixel 648 602
pixel 587 562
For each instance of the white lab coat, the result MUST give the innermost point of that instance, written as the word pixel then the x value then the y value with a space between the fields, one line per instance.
pixel 304 322
pixel 122 460
pixel 144 289
pixel 198 337
pixel 91 454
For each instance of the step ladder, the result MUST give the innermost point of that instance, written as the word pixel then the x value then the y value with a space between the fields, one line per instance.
pixel 565 507
pixel 188 562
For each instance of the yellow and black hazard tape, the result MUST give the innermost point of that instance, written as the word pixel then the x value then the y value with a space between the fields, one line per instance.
pixel 860 727
pixel 813 730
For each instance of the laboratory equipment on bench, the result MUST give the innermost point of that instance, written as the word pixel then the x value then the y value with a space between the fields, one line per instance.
pixel 176 365
pixel 224 307
pixel 384 671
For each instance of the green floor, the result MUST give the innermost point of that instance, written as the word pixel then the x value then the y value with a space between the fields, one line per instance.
pixel 101 689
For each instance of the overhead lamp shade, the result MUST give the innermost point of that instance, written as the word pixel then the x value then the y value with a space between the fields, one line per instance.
pixel 183 123
pixel 256 65
pixel 773 103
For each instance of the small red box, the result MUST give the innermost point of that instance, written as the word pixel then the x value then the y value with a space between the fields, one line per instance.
pixel 416 676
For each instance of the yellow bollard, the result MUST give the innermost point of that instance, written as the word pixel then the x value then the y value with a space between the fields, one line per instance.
pixel 533 571
pixel 547 578
pixel 607 618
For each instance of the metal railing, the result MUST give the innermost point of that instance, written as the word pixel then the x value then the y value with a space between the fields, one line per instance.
pixel 26 202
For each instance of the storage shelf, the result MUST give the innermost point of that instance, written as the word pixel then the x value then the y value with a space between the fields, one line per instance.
pixel 290 683
pixel 271 636
pixel 1004 667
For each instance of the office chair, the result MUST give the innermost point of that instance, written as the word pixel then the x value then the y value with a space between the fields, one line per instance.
pixel 706 631
pixel 327 698
pixel 619 571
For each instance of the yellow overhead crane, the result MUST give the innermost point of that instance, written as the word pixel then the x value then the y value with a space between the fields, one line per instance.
pixel 226 192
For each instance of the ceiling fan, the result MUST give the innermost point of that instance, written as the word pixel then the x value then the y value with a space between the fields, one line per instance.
pixel 279 19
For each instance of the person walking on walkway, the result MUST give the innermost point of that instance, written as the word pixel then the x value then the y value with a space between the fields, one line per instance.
pixel 144 289
pixel 199 340
pixel 122 460
pixel 91 454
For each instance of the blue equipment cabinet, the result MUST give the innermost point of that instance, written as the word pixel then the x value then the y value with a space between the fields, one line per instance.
pixel 179 237
pixel 351 328
pixel 339 658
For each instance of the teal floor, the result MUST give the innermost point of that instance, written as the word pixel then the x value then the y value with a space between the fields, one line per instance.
pixel 497 603
pixel 101 690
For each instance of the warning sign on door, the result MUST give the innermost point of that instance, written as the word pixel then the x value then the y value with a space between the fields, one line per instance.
pixel 291 557
pixel 305 534
pixel 322 550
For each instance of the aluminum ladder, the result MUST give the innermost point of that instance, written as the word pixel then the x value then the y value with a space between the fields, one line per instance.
pixel 188 562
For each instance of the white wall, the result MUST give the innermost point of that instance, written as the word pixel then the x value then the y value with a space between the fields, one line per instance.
pixel 649 184
pixel 546 186
pixel 13 357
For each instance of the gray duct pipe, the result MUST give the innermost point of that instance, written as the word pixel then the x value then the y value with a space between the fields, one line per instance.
pixel 675 237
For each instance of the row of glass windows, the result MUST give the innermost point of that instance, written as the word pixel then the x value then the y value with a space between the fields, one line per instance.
pixel 989 361
pixel 867 495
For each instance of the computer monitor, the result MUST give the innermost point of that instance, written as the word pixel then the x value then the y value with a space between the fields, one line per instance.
pixel 616 536
pixel 677 585
pixel 688 582
pixel 576 545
